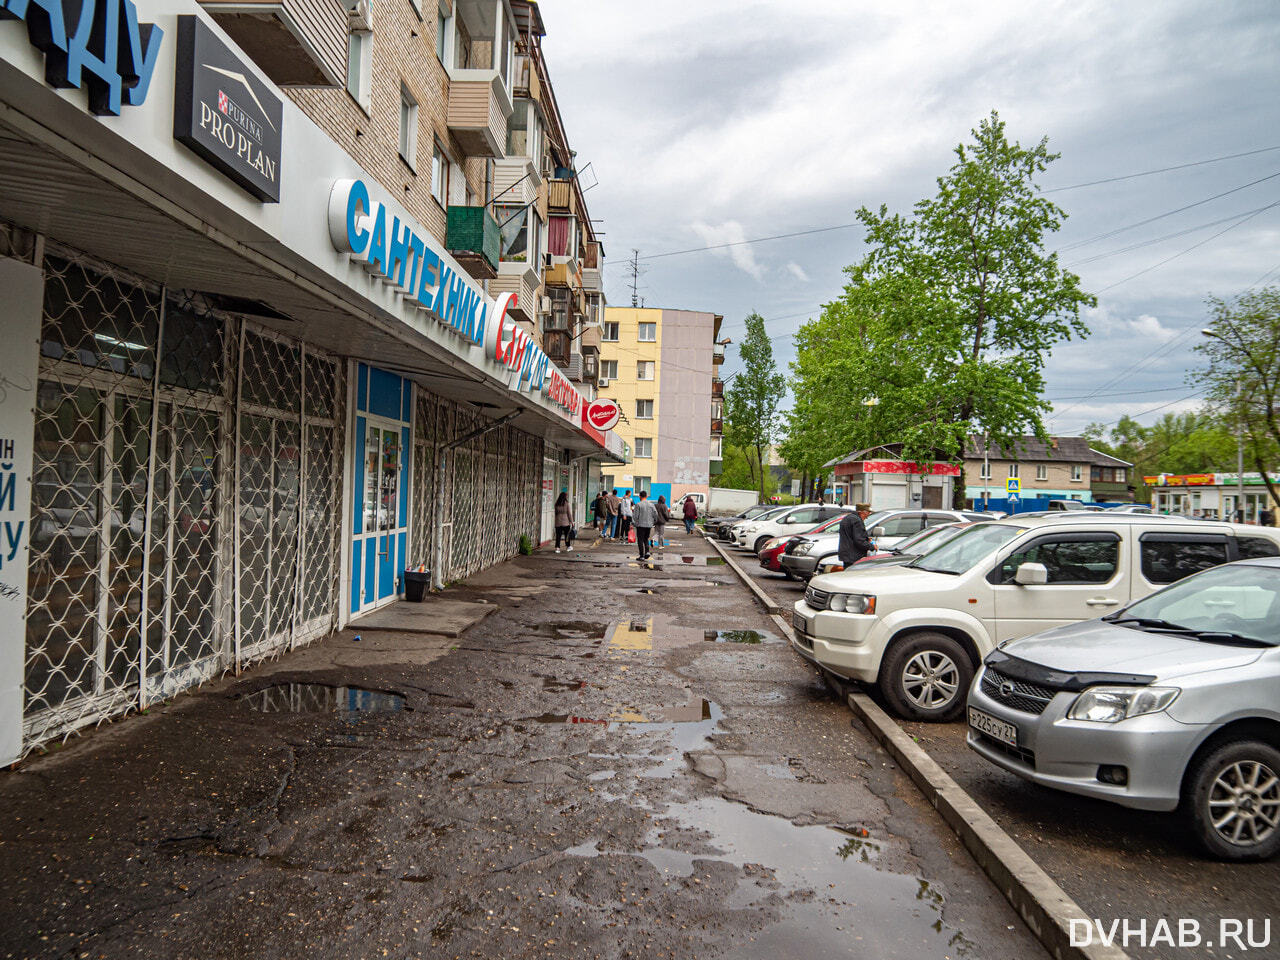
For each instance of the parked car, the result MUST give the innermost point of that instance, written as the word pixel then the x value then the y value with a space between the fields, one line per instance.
pixel 920 630
pixel 774 550
pixel 1172 702
pixel 1067 505
pixel 891 527
pixel 1130 508
pixel 718 525
pixel 818 553
pixel 787 520
pixel 731 531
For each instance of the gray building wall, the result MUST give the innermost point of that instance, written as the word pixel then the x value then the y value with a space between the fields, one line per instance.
pixel 684 405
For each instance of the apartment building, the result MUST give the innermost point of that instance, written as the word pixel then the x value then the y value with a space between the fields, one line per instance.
pixel 1064 468
pixel 261 362
pixel 661 367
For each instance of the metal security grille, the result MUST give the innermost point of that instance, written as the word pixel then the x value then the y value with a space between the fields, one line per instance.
pixel 170 445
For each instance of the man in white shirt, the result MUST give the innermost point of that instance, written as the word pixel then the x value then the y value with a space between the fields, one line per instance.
pixel 624 515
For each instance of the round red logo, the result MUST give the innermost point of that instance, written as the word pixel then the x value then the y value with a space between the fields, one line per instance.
pixel 603 414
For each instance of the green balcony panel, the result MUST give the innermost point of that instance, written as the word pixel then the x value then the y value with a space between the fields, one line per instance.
pixel 473 239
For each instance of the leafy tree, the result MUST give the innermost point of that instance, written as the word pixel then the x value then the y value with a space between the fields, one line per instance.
pixel 752 399
pixel 740 468
pixel 1243 374
pixel 947 321
pixel 1194 442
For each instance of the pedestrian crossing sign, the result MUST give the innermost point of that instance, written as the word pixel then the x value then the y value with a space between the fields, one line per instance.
pixel 1012 486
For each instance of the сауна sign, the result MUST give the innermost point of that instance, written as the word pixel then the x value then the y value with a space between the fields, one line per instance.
pixel 95 44
pixel 401 255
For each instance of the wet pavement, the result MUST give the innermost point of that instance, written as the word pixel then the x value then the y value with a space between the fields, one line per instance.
pixel 623 760
pixel 1115 863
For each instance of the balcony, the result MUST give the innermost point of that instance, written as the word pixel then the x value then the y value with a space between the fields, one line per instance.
pixel 520 278
pixel 515 181
pixel 560 195
pixel 717 388
pixel 564 272
pixel 717 353
pixel 479 106
pixel 592 281
pixel 717 428
pixel 294 42
pixel 591 339
pixel 556 345
pixel 473 240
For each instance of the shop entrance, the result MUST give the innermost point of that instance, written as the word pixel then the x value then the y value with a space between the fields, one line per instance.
pixel 382 520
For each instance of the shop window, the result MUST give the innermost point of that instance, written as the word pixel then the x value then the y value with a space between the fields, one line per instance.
pixel 266 378
pixel 96 320
pixel 193 352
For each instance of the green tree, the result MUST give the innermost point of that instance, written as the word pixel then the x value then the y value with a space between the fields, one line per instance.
pixel 947 321
pixel 752 399
pixel 1193 442
pixel 1242 351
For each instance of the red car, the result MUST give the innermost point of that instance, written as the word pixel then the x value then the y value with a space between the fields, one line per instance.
pixel 772 550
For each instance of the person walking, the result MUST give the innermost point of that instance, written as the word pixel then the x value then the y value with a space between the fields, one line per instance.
pixel 599 512
pixel 564 520
pixel 645 516
pixel 854 542
pixel 624 515
pixel 664 517
pixel 614 506
pixel 690 514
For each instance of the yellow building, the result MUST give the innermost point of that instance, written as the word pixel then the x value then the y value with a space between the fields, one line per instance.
pixel 659 365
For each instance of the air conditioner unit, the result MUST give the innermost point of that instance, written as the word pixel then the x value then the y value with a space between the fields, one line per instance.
pixel 602 382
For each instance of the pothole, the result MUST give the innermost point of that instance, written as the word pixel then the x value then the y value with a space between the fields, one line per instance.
pixel 740 636
pixel 322 698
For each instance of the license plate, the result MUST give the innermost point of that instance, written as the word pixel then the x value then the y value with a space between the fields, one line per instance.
pixel 993 727
pixel 799 622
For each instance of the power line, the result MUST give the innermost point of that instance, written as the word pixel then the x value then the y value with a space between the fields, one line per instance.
pixel 1149 173
pixel 1126 393
pixel 1168 236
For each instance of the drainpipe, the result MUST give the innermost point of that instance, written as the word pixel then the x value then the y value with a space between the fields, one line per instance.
pixel 437 578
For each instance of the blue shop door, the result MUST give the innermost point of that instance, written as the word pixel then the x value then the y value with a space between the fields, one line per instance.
pixel 382 520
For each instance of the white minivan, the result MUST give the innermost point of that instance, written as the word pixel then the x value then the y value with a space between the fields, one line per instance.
pixel 920 630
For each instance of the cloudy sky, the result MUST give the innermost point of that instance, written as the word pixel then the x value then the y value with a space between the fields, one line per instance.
pixel 709 121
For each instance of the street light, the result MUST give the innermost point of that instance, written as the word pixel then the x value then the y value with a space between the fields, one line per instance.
pixel 1239 430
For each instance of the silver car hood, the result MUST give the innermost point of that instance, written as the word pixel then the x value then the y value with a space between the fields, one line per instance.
pixel 1096 646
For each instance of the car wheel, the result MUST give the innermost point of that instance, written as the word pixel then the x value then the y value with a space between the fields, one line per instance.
pixel 1232 799
pixel 925 676
pixel 788 574
pixel 760 542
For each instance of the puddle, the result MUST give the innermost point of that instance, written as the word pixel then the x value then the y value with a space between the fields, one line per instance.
pixel 849 890
pixel 740 636
pixel 322 698
pixel 690 728
pixel 552 685
pixel 710 561
pixel 565 718
pixel 653 632
pixel 651 592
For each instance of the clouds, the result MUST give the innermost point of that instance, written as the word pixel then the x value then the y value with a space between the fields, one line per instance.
pixel 725 120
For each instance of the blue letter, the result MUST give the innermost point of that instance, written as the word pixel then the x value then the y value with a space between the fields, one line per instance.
pixel 95 49
pixel 399 252
pixel 427 277
pixel 139 54
pixel 378 245
pixel 357 200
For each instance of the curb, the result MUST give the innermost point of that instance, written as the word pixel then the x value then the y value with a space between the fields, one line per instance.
pixel 1043 905
pixel 770 605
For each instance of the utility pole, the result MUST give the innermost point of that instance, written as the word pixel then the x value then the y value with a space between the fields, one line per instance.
pixel 635 277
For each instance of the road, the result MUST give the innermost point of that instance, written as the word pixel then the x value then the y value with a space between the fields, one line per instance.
pixel 620 761
pixel 1115 863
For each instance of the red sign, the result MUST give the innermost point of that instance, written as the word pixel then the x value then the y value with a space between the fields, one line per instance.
pixel 603 414
pixel 901 466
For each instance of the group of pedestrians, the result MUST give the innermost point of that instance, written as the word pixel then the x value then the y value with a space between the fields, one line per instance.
pixel 615 516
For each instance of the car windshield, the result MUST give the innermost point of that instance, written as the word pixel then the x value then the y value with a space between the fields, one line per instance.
pixel 928 539
pixel 755 512
pixel 1233 603
pixel 771 514
pixel 967 548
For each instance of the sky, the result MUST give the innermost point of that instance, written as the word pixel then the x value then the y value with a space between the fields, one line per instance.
pixel 706 122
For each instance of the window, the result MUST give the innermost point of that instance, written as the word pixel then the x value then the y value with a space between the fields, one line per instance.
pixel 644 446
pixel 1167 557
pixel 1077 473
pixel 644 369
pixel 360 66
pixel 458 186
pixel 560 236
pixel 644 409
pixel 902 525
pixel 1069 558
pixel 1042 471
pixel 1120 474
pixel 985 472
pixel 717 409
pixel 1013 470
pixel 439 175
pixel 716 448
pixel 524 132
pixel 408 125
pixel 610 331
pixel 444 27
pixel 805 515
pixel 1251 548
pixel 641 483
pixel 648 333
pixel 513 227
pixel 609 368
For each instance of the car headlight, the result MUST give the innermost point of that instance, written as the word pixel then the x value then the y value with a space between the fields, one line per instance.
pixel 803 549
pixel 851 603
pixel 1113 704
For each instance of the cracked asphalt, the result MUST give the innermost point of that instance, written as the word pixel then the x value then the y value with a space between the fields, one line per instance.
pixel 621 761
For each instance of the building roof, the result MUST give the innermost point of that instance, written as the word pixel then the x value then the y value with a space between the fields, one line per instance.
pixel 1059 449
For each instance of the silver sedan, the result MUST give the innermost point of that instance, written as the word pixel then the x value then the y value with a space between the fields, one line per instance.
pixel 1170 703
